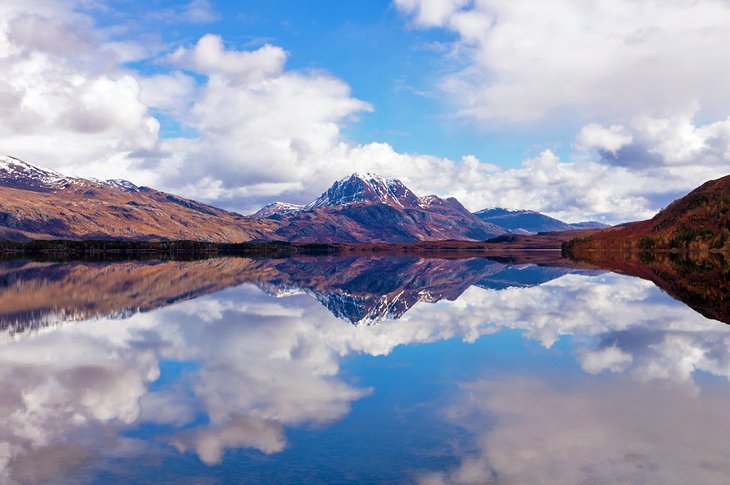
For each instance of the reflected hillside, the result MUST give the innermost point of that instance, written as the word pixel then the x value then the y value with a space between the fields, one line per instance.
pixel 700 279
pixel 36 294
pixel 360 290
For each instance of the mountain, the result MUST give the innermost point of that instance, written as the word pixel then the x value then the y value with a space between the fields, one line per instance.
pixel 371 208
pixel 589 225
pixel 275 209
pixel 366 188
pixel 698 221
pixel 37 203
pixel 529 222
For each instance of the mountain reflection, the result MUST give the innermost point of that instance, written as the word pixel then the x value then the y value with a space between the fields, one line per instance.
pixel 357 289
pixel 262 386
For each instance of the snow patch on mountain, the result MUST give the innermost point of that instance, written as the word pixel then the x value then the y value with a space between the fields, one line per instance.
pixel 123 184
pixel 19 174
pixel 497 211
pixel 15 172
pixel 365 187
pixel 275 208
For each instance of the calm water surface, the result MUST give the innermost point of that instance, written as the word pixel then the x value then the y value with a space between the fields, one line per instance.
pixel 355 370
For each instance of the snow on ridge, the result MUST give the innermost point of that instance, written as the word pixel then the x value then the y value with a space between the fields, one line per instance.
pixel 511 211
pixel 122 184
pixel 385 189
pixel 16 167
pixel 26 172
pixel 284 205
pixel 277 208
pixel 32 175
pixel 357 187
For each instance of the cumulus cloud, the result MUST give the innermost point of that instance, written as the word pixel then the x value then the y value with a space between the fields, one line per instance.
pixel 607 139
pixel 671 142
pixel 530 60
pixel 609 358
pixel 431 13
pixel 646 70
pixel 68 103
pixel 210 57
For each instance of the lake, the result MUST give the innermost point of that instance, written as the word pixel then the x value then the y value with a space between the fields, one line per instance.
pixel 520 369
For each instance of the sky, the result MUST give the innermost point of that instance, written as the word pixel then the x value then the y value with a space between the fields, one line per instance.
pixel 603 110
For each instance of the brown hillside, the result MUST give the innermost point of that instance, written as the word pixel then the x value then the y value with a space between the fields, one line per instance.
pixel 94 210
pixel 698 221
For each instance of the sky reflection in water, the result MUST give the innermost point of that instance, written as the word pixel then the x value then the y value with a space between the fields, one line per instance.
pixel 492 372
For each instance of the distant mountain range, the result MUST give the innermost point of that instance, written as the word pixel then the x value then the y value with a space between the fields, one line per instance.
pixel 373 189
pixel 370 208
pixel 530 222
pixel 36 203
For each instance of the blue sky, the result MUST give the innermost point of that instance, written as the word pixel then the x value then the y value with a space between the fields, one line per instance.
pixel 386 62
pixel 600 110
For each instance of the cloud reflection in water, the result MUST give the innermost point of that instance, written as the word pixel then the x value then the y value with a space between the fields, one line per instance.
pixel 79 396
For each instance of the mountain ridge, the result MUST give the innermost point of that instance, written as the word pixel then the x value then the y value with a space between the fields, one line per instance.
pixel 38 203
pixel 523 221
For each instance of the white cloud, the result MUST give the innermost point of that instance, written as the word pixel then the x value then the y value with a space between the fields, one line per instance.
pixel 172 93
pixel 674 152
pixel 253 130
pixel 608 139
pixel 532 60
pixel 609 358
pixel 431 13
pixel 210 57
pixel 200 11
pixel 67 103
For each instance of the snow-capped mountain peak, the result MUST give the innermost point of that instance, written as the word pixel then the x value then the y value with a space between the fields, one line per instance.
pixel 275 208
pixel 16 173
pixel 366 187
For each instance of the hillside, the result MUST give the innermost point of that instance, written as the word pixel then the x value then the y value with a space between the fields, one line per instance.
pixel 36 203
pixel 42 204
pixel 698 221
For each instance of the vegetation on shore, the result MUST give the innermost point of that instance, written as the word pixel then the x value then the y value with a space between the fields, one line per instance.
pixel 128 248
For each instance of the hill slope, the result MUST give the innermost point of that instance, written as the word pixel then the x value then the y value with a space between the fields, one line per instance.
pixel 698 221
pixel 36 203
pixel 39 203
